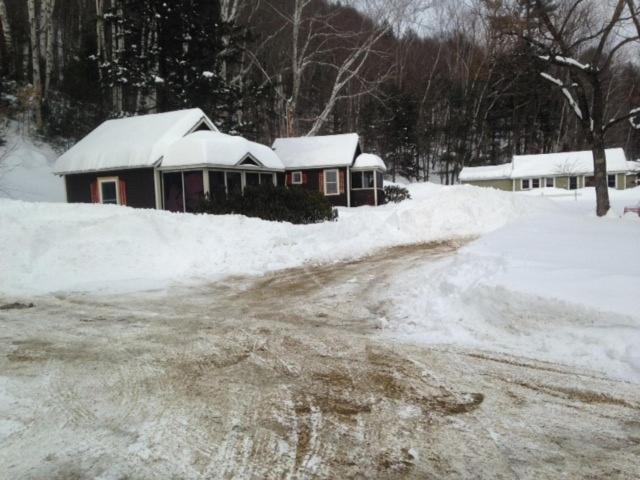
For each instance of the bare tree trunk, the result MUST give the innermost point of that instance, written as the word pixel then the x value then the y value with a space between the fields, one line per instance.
pixel 100 33
pixel 598 146
pixel 117 48
pixel 35 60
pixel 6 34
pixel 61 59
pixel 49 56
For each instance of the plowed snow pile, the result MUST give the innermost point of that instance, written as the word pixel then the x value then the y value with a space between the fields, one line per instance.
pixel 50 247
pixel 562 286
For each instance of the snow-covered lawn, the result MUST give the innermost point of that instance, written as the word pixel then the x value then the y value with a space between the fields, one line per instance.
pixel 557 284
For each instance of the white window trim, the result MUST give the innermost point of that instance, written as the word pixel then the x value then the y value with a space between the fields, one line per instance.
pixel 539 183
pixel 553 182
pixel 115 180
pixel 615 182
pixel 324 180
pixel 522 180
pixel 293 178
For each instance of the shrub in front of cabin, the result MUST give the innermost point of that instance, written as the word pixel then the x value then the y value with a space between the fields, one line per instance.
pixel 396 194
pixel 280 204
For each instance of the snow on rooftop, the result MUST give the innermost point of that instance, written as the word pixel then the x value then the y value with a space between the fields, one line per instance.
pixel 549 164
pixel 130 142
pixel 633 166
pixel 316 152
pixel 369 160
pixel 218 149
pixel 565 163
pixel 489 172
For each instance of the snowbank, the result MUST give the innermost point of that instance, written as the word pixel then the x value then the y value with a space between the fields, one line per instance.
pixel 50 247
pixel 560 286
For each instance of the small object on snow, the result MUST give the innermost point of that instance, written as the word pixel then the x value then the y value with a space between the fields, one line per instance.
pixel 382 323
pixel 16 306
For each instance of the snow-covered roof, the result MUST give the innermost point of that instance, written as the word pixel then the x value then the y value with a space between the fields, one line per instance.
pixel 369 160
pixel 317 152
pixel 549 164
pixel 489 172
pixel 129 142
pixel 218 149
pixel 566 163
pixel 633 166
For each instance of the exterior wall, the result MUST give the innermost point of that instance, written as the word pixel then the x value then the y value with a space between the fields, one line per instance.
pixel 311 177
pixel 139 185
pixel 632 181
pixel 500 184
pixel 562 182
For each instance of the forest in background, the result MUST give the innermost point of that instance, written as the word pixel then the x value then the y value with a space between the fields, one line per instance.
pixel 430 86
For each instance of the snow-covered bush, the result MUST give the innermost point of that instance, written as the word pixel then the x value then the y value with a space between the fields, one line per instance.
pixel 396 194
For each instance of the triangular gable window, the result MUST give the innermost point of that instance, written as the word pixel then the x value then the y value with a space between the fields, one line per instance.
pixel 202 126
pixel 249 161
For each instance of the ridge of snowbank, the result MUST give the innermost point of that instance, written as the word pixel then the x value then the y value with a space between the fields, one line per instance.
pixel 61 247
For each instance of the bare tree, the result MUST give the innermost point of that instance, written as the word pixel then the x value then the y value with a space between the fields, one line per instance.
pixel 581 40
pixel 341 53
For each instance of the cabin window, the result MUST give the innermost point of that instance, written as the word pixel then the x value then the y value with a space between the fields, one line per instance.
pixel 217 185
pixel 526 184
pixel 193 190
pixel 380 179
pixel 331 186
pixel 611 181
pixel 550 182
pixel 266 179
pixel 296 178
pixel 356 180
pixel 573 183
pixel 172 188
pixel 367 179
pixel 108 190
pixel 249 161
pixel 535 183
pixel 364 180
pixel 252 179
pixel 234 183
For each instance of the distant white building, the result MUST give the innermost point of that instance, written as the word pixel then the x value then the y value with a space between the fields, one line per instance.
pixel 568 170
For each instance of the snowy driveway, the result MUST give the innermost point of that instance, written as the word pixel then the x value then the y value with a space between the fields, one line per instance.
pixel 287 376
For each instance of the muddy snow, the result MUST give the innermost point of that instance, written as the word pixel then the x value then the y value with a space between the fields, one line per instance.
pixel 290 375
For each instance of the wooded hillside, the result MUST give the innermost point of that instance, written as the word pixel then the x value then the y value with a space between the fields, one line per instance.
pixel 457 88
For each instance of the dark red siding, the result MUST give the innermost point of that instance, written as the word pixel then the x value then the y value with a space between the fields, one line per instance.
pixel 366 197
pixel 312 182
pixel 139 186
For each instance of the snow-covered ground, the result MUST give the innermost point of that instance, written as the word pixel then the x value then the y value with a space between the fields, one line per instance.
pixel 557 284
